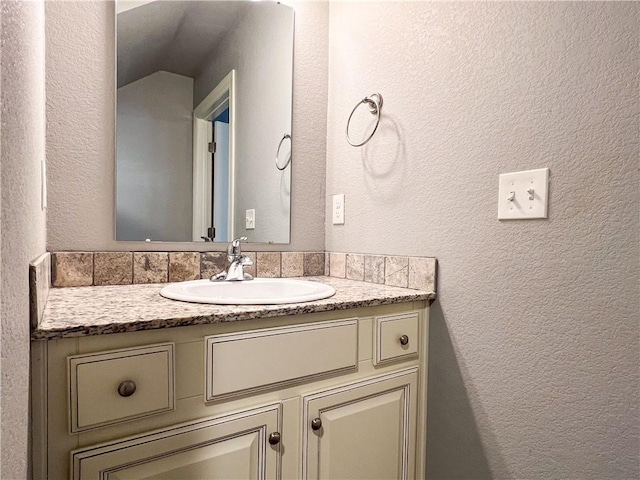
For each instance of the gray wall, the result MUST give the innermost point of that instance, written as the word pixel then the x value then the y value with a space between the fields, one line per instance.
pixel 80 128
pixel 154 147
pixel 534 338
pixel 262 60
pixel 22 218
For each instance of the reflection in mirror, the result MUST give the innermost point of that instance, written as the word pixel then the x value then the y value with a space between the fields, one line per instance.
pixel 204 98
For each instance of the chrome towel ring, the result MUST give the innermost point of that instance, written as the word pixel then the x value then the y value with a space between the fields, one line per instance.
pixel 374 102
pixel 286 135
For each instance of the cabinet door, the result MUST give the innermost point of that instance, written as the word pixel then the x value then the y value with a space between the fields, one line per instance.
pixel 234 446
pixel 364 430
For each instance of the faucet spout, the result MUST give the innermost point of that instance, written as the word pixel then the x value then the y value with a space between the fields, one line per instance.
pixel 236 269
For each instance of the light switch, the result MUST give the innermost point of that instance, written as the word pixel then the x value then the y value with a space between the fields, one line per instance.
pixel 523 195
pixel 338 209
pixel 250 219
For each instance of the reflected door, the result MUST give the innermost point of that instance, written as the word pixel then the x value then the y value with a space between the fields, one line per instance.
pixel 220 196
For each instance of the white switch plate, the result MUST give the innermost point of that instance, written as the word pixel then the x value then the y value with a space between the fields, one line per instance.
pixel 523 194
pixel 250 219
pixel 338 209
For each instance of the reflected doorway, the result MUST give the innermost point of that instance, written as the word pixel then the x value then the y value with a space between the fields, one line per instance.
pixel 220 180
pixel 214 163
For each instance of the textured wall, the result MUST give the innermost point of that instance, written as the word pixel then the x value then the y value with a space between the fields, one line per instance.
pixel 22 219
pixel 534 339
pixel 155 145
pixel 80 128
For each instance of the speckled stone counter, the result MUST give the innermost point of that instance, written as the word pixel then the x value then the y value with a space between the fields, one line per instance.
pixel 82 311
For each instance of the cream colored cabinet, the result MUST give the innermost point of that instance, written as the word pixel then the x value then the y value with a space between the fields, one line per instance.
pixel 119 385
pixel 363 430
pixel 332 395
pixel 245 445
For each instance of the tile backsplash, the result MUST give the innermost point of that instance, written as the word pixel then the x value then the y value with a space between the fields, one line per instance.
pixel 418 273
pixel 74 269
pixel 77 269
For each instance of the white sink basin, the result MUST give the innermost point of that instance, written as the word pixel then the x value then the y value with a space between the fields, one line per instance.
pixel 259 291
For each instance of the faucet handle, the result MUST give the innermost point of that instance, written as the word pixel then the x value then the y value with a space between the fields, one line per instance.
pixel 234 247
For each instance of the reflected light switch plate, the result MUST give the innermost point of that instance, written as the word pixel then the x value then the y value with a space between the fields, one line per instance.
pixel 250 219
pixel 523 195
pixel 338 209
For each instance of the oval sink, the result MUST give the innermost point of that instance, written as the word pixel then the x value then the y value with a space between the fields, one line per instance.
pixel 259 291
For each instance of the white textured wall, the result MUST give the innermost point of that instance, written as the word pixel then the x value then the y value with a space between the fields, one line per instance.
pixel 260 49
pixel 22 219
pixel 154 168
pixel 80 130
pixel 534 347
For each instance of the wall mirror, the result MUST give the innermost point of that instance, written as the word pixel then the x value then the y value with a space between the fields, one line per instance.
pixel 203 120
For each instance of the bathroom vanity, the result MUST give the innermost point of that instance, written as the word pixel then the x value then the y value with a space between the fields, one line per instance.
pixel 127 384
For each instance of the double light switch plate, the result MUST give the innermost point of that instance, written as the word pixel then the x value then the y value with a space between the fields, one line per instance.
pixel 523 195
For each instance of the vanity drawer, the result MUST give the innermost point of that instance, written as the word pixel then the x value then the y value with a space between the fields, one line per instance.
pixel 270 357
pixel 119 385
pixel 396 337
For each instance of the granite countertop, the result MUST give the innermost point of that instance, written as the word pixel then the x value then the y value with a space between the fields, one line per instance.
pixel 82 311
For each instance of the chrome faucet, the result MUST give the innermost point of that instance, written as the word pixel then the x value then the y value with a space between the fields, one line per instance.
pixel 237 262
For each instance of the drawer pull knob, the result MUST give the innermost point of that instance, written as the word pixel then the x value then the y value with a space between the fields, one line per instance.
pixel 316 424
pixel 404 340
pixel 274 438
pixel 127 388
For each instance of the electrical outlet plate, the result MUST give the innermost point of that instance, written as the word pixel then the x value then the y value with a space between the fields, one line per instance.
pixel 523 195
pixel 250 219
pixel 338 209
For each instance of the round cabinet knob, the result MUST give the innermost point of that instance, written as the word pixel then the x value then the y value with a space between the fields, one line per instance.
pixel 127 388
pixel 274 438
pixel 404 340
pixel 316 424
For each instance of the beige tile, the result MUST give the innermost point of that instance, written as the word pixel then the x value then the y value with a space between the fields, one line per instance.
pixel 150 267
pixel 314 264
pixel 292 264
pixel 355 266
pixel 337 264
pixel 184 266
pixel 396 271
pixel 72 269
pixel 268 265
pixel 422 273
pixel 112 268
pixel 374 268
pixel 212 263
